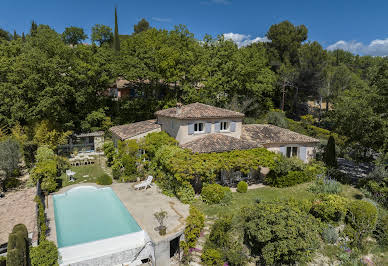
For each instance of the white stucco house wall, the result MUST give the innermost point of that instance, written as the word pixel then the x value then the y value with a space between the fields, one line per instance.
pixel 203 128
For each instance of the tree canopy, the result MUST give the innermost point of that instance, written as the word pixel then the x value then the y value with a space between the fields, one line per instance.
pixel 142 25
pixel 73 35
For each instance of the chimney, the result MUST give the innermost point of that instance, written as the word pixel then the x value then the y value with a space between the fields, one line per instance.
pixel 178 108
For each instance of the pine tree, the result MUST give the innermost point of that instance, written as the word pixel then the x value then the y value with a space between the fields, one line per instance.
pixel 23 37
pixel 34 28
pixel 116 40
pixel 15 36
pixel 330 157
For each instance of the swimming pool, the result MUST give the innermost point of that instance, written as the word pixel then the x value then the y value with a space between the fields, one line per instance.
pixel 85 214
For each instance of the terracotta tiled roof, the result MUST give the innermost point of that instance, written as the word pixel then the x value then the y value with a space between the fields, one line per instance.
pixel 198 110
pixel 266 134
pixel 219 143
pixel 130 130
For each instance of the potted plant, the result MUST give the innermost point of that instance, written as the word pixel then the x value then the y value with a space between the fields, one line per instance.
pixel 160 217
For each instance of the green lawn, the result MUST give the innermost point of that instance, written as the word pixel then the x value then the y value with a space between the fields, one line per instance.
pixel 267 194
pixel 84 173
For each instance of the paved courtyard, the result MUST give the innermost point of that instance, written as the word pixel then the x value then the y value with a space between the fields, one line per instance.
pixel 18 207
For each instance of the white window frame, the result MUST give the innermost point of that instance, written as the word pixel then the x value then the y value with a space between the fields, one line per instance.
pixel 199 131
pixel 291 151
pixel 227 129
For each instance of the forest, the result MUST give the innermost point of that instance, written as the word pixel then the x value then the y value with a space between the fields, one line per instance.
pixel 57 80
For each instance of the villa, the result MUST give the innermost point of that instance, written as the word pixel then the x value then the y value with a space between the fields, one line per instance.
pixel 203 128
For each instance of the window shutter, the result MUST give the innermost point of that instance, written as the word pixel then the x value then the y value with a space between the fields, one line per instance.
pixel 303 154
pixel 191 128
pixel 283 150
pixel 217 126
pixel 232 126
pixel 208 128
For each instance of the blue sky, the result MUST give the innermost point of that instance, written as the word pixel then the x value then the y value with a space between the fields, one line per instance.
pixel 356 25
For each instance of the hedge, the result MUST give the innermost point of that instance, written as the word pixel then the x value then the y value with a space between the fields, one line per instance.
pixel 104 180
pixel 41 219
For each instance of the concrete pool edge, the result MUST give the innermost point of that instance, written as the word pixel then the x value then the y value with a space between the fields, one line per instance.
pixel 97 250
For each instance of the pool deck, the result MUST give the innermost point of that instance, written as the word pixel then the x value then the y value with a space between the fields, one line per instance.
pixel 141 204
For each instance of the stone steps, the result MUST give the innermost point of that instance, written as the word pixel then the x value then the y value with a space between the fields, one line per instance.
pixel 196 254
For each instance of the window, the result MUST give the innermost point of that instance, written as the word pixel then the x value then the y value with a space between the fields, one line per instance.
pixel 198 128
pixel 224 126
pixel 292 152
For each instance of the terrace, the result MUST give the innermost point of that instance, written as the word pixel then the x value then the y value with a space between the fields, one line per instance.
pixel 18 207
pixel 147 202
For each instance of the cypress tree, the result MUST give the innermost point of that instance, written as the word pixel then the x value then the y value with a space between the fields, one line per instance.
pixel 116 39
pixel 330 157
pixel 15 36
pixel 34 28
pixel 23 37
pixel 14 258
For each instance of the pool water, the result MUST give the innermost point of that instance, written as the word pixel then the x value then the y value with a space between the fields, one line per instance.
pixel 85 214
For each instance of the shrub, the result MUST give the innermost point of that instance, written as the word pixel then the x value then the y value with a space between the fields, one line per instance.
pixel 46 253
pixel 109 151
pixel 185 193
pixel 44 169
pixel 292 178
pixel 194 224
pixel 381 231
pixel 219 234
pixel 329 208
pixel 242 187
pixel 362 217
pixel 44 153
pixel 3 261
pixel 326 185
pixel 155 140
pixel 212 256
pixel 11 182
pixel 215 194
pixel 104 180
pixel 49 184
pixel 377 185
pixel 117 169
pixel 277 119
pixel 330 234
pixel 339 176
pixel 280 233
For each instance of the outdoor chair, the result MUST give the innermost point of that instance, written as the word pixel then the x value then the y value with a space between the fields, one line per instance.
pixel 70 174
pixel 145 184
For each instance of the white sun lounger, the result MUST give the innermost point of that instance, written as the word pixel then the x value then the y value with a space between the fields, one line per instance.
pixel 145 184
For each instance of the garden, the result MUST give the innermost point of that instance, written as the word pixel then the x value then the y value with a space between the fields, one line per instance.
pixel 304 213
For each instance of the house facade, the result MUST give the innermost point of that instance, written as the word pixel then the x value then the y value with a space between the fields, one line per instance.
pixel 204 129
